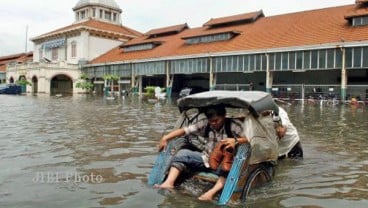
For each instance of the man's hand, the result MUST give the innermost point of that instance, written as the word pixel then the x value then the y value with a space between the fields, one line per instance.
pixel 163 144
pixel 280 131
pixel 229 143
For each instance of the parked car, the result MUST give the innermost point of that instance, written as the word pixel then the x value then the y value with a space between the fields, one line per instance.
pixel 10 89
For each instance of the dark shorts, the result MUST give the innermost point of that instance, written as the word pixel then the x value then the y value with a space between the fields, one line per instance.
pixel 295 153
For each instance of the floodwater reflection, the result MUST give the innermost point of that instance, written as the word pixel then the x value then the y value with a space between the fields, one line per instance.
pixel 72 142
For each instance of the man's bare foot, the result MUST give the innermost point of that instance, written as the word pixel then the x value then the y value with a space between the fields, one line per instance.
pixel 163 186
pixel 206 197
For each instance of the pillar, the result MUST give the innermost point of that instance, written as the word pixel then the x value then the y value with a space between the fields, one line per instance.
pixel 212 78
pixel 169 82
pixel 344 77
pixel 269 75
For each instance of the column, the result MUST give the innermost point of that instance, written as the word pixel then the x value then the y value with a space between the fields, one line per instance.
pixel 211 84
pixel 133 81
pixel 169 82
pixel 344 77
pixel 140 87
pixel 269 75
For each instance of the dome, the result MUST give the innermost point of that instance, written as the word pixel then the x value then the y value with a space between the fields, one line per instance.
pixel 107 3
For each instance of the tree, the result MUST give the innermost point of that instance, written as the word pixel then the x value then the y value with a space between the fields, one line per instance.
pixel 85 84
pixel 23 82
pixel 110 78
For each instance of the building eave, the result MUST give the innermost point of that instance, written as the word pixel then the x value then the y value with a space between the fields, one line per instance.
pixel 79 29
pixel 245 52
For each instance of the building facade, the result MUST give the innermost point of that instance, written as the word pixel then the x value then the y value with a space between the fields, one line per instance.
pixel 13 60
pixel 322 52
pixel 58 55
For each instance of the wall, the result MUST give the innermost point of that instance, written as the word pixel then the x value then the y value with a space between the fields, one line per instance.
pixel 100 46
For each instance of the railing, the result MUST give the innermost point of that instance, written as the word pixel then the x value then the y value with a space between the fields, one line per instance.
pixel 36 65
pixel 307 91
pixel 321 92
pixel 236 87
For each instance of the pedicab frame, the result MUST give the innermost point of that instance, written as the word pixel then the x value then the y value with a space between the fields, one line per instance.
pixel 254 162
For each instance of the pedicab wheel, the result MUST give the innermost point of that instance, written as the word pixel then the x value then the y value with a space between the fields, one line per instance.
pixel 257 177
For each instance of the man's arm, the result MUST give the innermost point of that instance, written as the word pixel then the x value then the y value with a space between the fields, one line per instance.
pixel 166 138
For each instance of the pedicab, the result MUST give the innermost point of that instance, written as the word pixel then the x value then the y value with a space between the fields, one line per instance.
pixel 254 162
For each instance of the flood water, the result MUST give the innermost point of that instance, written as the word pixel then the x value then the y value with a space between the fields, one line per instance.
pixel 87 151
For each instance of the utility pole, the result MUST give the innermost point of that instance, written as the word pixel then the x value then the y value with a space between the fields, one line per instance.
pixel 26 48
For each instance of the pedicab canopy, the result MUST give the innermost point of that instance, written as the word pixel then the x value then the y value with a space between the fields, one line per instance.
pixel 258 127
pixel 254 101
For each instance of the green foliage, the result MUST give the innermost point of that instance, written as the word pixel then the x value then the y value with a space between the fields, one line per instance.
pixel 24 82
pixel 87 85
pixel 110 77
pixel 84 77
pixel 150 91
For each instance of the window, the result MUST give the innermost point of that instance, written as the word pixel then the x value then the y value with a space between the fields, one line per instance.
pixel 74 49
pixel 330 58
pixel 322 59
pixel 292 60
pixel 338 58
pixel 359 21
pixel 101 12
pixel 365 54
pixel 246 63
pixel 83 14
pixel 348 57
pixel 278 61
pixel 271 59
pixel 210 38
pixel 357 57
pixel 264 62
pixel 107 15
pixel 54 54
pixel 142 46
pixel 284 61
pixel 299 60
pixel 314 59
pixel 306 63
pixel 252 62
pixel 40 54
pixel 114 17
pixel 94 12
pixel 258 62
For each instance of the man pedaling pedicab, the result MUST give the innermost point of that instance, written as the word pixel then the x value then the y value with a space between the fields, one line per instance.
pixel 221 135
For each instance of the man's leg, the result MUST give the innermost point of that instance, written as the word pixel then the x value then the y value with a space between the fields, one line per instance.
pixel 171 178
pixel 220 183
pixel 296 152
pixel 183 159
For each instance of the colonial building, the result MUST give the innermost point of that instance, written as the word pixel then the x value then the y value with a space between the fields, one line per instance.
pixel 318 52
pixel 59 54
pixel 13 60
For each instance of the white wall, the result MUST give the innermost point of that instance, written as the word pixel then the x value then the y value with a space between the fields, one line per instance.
pixel 99 46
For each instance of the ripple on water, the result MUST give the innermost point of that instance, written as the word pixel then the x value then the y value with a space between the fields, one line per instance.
pixel 118 140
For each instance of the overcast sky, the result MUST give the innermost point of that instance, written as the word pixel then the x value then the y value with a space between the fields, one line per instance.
pixel 42 16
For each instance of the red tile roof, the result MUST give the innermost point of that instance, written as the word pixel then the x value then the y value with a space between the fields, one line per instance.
pixel 315 27
pixel 94 25
pixel 234 18
pixel 19 58
pixel 357 12
pixel 361 1
pixel 166 30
